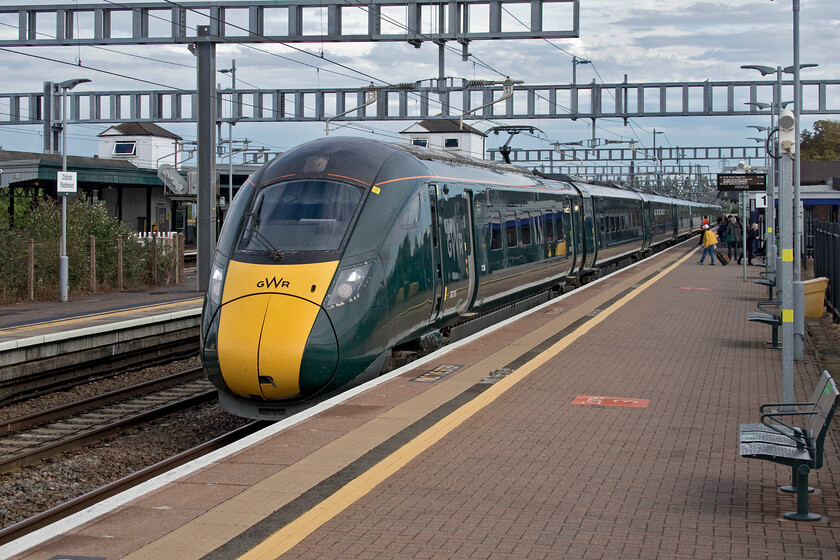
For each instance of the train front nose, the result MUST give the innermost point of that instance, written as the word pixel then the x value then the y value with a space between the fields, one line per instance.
pixel 276 346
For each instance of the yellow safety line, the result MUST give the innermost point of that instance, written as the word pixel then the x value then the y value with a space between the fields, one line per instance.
pixel 283 540
pixel 96 316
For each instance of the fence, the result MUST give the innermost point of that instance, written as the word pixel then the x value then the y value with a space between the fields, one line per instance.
pixel 827 261
pixel 29 269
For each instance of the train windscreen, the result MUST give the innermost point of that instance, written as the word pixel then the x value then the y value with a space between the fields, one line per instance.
pixel 299 216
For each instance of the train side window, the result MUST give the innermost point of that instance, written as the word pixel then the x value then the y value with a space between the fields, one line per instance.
pixel 561 232
pixel 411 213
pixel 525 228
pixel 495 230
pixel 549 226
pixel 510 229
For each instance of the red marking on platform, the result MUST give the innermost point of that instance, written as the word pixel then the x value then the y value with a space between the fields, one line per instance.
pixel 700 289
pixel 611 401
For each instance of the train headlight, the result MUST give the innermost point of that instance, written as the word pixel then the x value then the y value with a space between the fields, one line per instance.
pixel 214 287
pixel 212 302
pixel 348 284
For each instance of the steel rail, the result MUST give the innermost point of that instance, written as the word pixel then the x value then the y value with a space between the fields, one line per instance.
pixel 23 422
pixel 57 513
pixel 110 427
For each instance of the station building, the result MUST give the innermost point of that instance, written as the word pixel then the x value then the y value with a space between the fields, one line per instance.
pixel 123 176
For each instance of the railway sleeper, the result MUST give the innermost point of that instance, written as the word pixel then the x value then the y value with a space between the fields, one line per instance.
pixel 43 376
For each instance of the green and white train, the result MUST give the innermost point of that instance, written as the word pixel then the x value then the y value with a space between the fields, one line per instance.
pixel 344 252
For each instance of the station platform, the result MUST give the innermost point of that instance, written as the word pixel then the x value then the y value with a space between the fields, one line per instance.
pixel 602 424
pixel 44 318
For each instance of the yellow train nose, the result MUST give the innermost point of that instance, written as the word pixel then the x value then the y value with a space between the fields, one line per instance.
pixel 262 341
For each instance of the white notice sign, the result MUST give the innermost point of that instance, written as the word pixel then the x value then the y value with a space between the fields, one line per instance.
pixel 761 201
pixel 66 182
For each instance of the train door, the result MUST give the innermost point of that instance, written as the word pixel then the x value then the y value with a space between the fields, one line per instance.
pixel 648 220
pixel 454 217
pixel 472 253
pixel 567 225
pixel 587 212
pixel 437 277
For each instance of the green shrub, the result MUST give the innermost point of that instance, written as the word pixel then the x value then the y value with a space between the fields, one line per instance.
pixel 42 223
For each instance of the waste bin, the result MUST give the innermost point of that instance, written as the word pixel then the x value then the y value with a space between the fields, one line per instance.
pixel 815 296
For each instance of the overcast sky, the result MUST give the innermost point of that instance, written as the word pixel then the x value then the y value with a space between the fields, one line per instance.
pixel 648 40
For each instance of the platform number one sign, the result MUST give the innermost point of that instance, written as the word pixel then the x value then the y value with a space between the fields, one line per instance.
pixel 66 182
pixel 761 201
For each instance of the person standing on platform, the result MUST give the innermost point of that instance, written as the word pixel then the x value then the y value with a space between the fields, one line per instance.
pixel 733 238
pixel 710 241
pixel 722 226
pixel 752 237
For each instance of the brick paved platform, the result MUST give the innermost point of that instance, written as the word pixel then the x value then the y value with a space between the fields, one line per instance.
pixel 531 466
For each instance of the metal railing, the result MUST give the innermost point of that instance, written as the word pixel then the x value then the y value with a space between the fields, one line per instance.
pixel 29 270
pixel 827 262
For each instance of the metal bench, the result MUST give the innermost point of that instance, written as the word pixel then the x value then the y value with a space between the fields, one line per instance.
pixel 800 448
pixel 767 279
pixel 761 427
pixel 768 317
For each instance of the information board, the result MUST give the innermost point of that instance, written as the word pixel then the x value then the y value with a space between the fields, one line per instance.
pixel 741 182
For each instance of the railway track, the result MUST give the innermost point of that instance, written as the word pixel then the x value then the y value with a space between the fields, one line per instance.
pixel 61 511
pixel 30 439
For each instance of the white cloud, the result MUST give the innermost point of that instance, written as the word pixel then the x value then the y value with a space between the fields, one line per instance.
pixel 647 40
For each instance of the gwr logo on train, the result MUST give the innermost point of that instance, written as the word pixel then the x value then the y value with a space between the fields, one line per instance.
pixel 273 283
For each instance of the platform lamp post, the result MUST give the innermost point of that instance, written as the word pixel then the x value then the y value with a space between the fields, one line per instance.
pixel 767 157
pixel 770 216
pixel 784 274
pixel 63 265
pixel 777 107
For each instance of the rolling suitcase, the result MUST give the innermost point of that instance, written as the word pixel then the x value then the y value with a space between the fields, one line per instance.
pixel 722 257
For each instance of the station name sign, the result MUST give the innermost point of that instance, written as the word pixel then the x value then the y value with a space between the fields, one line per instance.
pixel 741 182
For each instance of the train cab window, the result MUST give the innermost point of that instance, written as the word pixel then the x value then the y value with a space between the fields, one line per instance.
pixel 525 228
pixel 510 229
pixel 495 230
pixel 299 216
pixel 549 226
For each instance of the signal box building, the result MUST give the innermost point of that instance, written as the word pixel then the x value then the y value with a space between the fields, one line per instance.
pixel 446 135
pixel 146 145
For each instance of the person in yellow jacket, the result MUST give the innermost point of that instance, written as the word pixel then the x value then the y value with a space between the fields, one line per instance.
pixel 710 242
